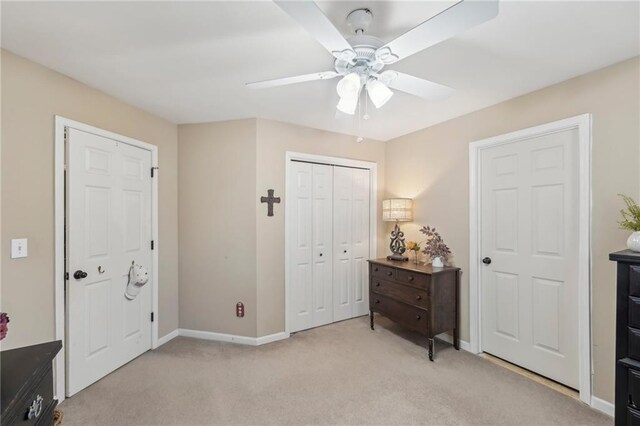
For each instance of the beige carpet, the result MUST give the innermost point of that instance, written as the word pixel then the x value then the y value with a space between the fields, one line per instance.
pixel 338 374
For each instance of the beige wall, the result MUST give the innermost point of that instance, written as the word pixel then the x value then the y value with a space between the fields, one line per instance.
pixel 230 250
pixel 274 140
pixel 31 96
pixel 431 166
pixel 217 186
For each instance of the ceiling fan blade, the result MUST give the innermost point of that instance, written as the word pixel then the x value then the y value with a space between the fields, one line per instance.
pixel 309 15
pixel 453 21
pixel 415 86
pixel 326 75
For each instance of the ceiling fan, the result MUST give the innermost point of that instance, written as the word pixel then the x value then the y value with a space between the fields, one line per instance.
pixel 361 58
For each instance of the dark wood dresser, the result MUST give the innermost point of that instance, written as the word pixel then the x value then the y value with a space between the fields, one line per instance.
pixel 27 384
pixel 419 297
pixel 627 399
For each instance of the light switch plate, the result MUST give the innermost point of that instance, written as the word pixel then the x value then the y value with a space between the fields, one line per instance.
pixel 19 248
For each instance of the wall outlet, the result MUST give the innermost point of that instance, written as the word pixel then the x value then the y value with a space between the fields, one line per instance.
pixel 239 309
pixel 19 248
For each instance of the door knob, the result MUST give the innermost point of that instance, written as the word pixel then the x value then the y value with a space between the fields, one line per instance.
pixel 486 260
pixel 78 275
pixel 320 254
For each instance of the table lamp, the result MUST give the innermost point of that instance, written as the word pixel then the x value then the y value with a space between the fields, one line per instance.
pixel 398 210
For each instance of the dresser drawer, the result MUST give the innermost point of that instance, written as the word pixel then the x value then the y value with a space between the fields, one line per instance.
pixel 634 343
pixel 633 417
pixel 413 279
pixel 409 316
pixel 401 292
pixel 383 272
pixel 634 387
pixel 634 312
pixel 33 409
pixel 634 281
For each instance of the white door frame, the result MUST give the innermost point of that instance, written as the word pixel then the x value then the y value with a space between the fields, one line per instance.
pixel 582 123
pixel 61 124
pixel 373 201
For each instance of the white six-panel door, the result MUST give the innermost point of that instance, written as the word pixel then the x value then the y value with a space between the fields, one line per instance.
pixel 329 244
pixel 529 231
pixel 108 227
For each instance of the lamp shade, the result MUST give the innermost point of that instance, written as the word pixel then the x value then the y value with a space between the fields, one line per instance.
pixel 400 209
pixel 378 93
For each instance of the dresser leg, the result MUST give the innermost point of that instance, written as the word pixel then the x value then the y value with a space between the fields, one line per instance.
pixel 371 319
pixel 431 349
pixel 456 339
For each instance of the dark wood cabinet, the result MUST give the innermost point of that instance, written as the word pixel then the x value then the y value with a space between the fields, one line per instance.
pixel 419 297
pixel 627 399
pixel 27 384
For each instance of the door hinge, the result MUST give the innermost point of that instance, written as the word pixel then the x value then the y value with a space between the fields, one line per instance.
pixel 153 169
pixel 152 317
pixel 152 245
pixel 66 276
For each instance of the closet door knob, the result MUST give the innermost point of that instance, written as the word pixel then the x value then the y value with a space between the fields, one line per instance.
pixel 320 254
pixel 418 297
pixel 418 317
pixel 345 251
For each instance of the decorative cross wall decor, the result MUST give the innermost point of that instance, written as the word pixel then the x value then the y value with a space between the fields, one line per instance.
pixel 270 199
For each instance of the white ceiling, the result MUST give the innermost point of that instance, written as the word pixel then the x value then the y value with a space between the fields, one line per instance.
pixel 188 62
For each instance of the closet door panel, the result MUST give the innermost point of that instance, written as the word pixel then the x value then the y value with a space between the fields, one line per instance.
pixel 360 241
pixel 322 236
pixel 342 264
pixel 301 252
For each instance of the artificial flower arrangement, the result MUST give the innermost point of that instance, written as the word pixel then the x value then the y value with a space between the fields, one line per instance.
pixel 415 248
pixel 435 248
pixel 631 221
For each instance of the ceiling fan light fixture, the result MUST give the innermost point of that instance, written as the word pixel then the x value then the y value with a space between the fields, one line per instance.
pixel 348 104
pixel 349 86
pixel 378 92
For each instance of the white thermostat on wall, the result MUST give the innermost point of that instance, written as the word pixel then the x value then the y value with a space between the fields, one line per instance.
pixel 19 248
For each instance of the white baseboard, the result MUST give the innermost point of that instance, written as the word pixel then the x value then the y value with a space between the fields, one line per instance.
pixel 167 337
pixel 465 346
pixel 222 337
pixel 603 406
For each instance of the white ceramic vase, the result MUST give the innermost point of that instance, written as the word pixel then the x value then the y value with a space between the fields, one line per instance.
pixel 633 243
pixel 437 262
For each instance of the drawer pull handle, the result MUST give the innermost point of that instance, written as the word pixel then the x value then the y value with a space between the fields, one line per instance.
pixel 418 297
pixel 389 273
pixel 418 317
pixel 36 408
pixel 377 284
pixel 410 278
pixel 375 270
pixel 377 300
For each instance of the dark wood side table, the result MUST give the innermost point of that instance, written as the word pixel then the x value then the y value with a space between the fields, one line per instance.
pixel 419 297
pixel 27 384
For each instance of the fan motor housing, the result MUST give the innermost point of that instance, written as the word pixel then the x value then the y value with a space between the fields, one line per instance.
pixel 365 61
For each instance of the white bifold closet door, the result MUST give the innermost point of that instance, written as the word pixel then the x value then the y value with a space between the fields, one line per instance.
pixel 350 242
pixel 329 244
pixel 311 280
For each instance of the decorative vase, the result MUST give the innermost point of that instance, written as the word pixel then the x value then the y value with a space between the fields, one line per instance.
pixel 415 259
pixel 436 262
pixel 633 243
